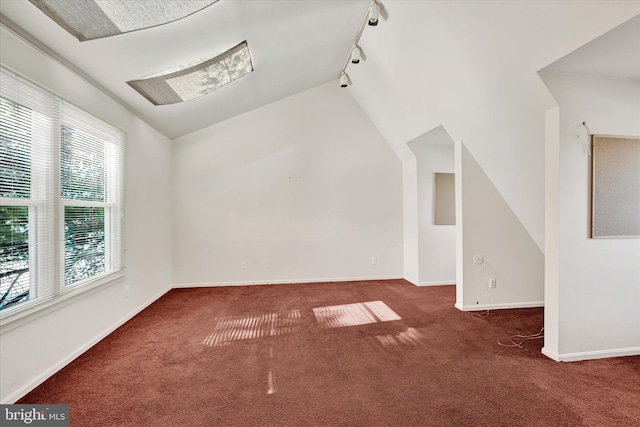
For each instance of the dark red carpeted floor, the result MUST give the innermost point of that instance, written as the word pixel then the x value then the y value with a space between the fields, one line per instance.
pixel 262 356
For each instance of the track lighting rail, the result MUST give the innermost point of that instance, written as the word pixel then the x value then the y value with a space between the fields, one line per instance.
pixel 355 54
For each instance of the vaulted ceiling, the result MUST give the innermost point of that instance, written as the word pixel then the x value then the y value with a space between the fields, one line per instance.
pixel 470 67
pixel 295 45
pixel 615 54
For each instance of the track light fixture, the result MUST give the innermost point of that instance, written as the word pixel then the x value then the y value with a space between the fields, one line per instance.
pixel 355 56
pixel 374 14
pixel 344 80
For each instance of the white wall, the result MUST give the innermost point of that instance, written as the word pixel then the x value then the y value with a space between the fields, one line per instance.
pixel 434 153
pixel 491 229
pixel 36 347
pixel 410 221
pixel 597 281
pixel 304 189
pixel 471 67
pixel 552 232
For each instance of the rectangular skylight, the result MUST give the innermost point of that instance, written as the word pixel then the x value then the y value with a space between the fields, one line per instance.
pixel 94 19
pixel 192 81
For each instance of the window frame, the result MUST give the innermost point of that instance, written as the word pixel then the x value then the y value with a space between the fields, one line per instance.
pixel 36 203
pixel 46 261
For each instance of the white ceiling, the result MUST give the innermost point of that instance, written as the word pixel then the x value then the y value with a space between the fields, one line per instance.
pixel 613 54
pixel 295 45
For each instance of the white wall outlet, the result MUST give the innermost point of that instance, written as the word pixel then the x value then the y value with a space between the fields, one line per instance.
pixel 243 265
pixel 374 260
pixel 126 291
pixel 492 282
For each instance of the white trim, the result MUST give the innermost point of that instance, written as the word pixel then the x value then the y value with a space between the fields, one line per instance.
pixel 411 280
pixel 13 319
pixel 22 391
pixel 282 282
pixel 12 201
pixel 86 203
pixel 501 306
pixel 443 283
pixel 615 237
pixel 550 355
pixel 599 354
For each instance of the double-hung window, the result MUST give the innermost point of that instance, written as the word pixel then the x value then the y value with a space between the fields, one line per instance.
pixel 60 198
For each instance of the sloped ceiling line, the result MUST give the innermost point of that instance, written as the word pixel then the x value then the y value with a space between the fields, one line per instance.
pixel 294 46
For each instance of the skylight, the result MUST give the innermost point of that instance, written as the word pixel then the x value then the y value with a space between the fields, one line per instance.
pixel 94 19
pixel 192 81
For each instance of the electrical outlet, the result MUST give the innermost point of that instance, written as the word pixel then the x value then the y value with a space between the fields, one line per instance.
pixel 492 282
pixel 126 291
pixel 374 261
pixel 243 265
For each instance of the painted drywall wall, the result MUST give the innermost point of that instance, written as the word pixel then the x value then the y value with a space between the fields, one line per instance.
pixel 597 281
pixel 552 233
pixel 301 190
pixel 491 229
pixel 410 221
pixel 471 67
pixel 434 152
pixel 34 348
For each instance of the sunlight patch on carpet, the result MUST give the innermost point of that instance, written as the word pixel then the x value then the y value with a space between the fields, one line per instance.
pixel 408 338
pixel 271 387
pixel 236 328
pixel 362 313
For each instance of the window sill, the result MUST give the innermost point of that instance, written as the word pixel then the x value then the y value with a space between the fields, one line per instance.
pixel 22 317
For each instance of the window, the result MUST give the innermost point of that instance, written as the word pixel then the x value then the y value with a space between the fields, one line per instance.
pixel 60 197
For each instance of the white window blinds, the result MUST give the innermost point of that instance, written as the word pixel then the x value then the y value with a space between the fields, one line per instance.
pixel 27 131
pixel 60 196
pixel 90 191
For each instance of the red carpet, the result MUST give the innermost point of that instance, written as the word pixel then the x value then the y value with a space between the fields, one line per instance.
pixel 390 354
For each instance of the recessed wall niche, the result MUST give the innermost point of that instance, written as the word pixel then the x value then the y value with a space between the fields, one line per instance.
pixel 444 203
pixel 615 186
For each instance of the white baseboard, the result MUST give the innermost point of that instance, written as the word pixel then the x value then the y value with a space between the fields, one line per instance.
pixel 22 391
pixel 501 306
pixel 598 354
pixel 282 282
pixel 445 283
pixel 550 354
